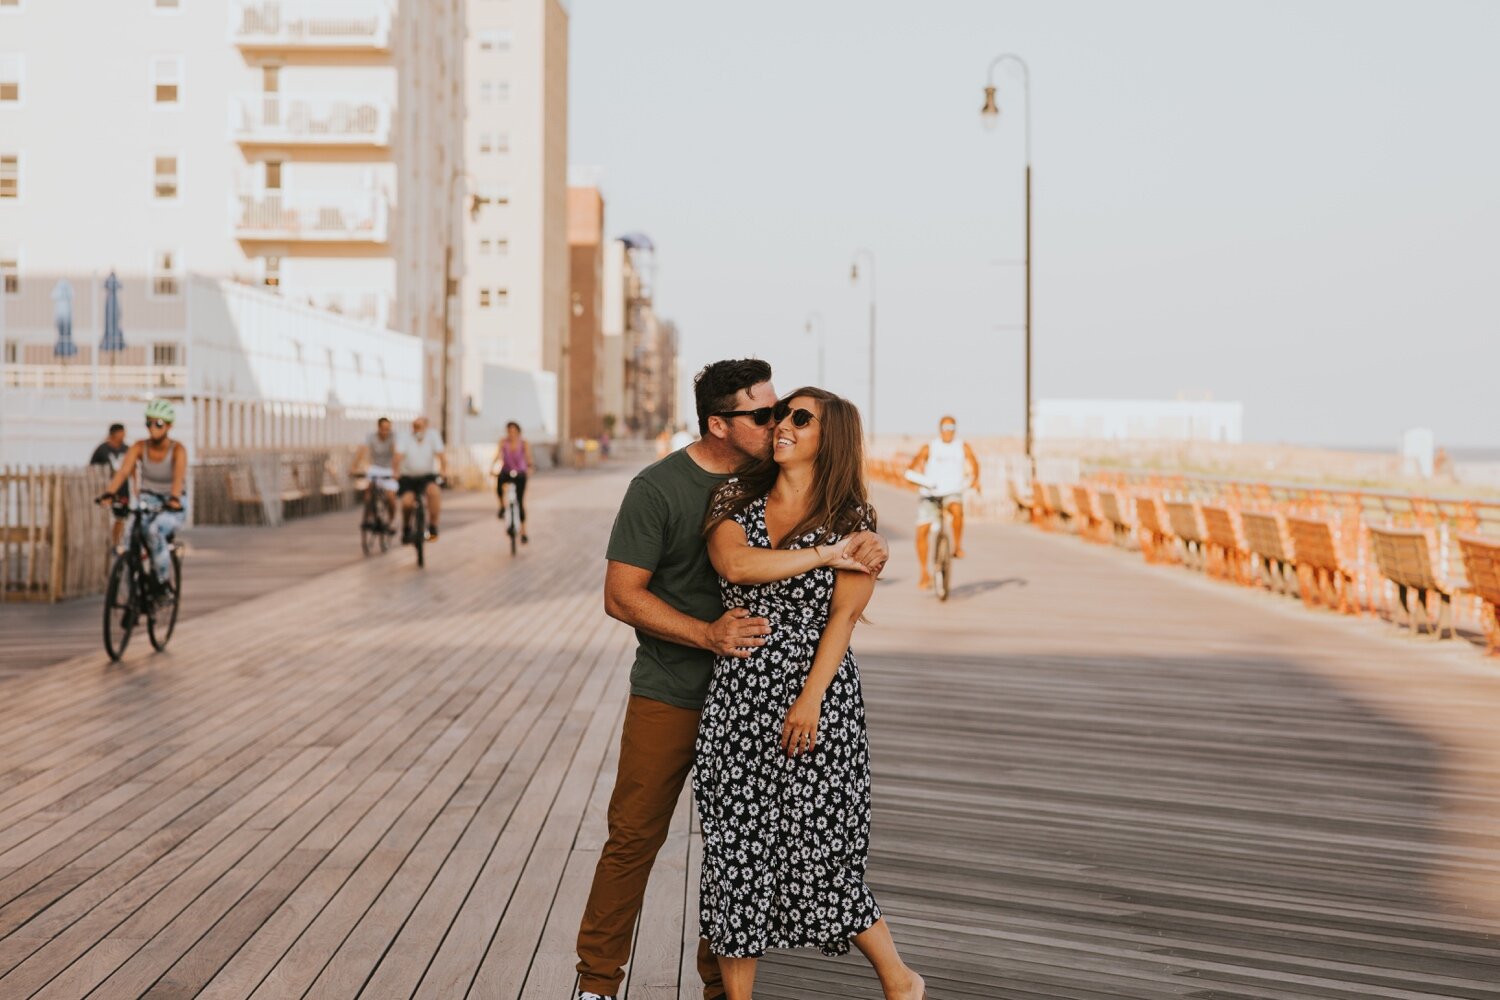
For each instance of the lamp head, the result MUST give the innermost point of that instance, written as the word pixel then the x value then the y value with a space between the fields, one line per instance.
pixel 854 273
pixel 989 115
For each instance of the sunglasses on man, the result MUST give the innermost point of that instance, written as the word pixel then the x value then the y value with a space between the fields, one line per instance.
pixel 765 414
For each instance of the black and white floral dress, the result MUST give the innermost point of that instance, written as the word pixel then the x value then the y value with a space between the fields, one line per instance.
pixel 785 839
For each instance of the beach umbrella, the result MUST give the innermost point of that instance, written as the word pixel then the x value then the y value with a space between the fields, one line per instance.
pixel 62 315
pixel 114 336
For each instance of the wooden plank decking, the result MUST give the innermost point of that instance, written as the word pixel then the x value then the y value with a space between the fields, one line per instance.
pixel 1094 779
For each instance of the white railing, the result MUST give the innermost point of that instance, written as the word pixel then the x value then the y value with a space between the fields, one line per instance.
pixel 101 378
pixel 313 24
pixel 357 217
pixel 321 120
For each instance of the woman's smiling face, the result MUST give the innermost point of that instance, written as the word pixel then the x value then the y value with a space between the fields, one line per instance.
pixel 798 444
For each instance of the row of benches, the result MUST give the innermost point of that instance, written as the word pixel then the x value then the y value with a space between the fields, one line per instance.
pixel 1326 560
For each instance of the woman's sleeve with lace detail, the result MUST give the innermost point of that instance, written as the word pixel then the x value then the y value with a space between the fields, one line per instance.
pixel 725 498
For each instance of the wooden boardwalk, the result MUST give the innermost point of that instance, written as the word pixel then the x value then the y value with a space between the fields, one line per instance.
pixel 1094 779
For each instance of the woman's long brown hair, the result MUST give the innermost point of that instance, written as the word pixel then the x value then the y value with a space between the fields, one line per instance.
pixel 840 501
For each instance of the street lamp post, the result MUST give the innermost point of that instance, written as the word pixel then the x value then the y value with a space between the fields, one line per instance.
pixel 854 279
pixel 989 114
pixel 822 341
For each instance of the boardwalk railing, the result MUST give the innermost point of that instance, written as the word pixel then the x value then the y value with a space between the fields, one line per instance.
pixel 54 541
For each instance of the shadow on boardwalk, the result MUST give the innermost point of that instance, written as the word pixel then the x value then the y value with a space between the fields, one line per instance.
pixel 1111 781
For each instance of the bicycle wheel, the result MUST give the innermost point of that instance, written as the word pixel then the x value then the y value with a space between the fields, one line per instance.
pixel 514 530
pixel 161 620
pixel 119 608
pixel 419 533
pixel 943 556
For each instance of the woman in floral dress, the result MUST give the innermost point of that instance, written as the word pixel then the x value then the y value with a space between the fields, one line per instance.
pixel 782 778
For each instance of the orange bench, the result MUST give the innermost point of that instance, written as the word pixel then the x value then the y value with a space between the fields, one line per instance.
pixel 1156 536
pixel 1482 565
pixel 1225 544
pixel 1404 557
pixel 1091 520
pixel 1115 507
pixel 1187 525
pixel 1321 570
pixel 1267 539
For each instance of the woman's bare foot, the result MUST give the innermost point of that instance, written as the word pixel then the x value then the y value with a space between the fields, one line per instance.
pixel 915 988
pixel 925 583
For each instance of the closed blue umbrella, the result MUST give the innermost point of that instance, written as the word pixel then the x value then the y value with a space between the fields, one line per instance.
pixel 114 337
pixel 62 315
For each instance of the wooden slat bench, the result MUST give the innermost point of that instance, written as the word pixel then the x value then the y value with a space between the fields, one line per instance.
pixel 1321 570
pixel 1187 525
pixel 1404 557
pixel 1025 507
pixel 1057 504
pixel 1225 544
pixel 1091 523
pixel 1482 565
pixel 1155 533
pixel 1267 539
pixel 1115 507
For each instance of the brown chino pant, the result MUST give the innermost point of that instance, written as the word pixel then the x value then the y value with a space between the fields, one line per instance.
pixel 656 754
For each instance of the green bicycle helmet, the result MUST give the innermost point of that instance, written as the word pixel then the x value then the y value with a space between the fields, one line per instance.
pixel 160 409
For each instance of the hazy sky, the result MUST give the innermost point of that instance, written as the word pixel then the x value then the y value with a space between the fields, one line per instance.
pixel 1293 204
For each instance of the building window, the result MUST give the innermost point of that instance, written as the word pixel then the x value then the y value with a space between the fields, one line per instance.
pixel 167 4
pixel 502 297
pixel 484 246
pixel 10 175
pixel 9 3
pixel 12 347
pixel 502 142
pixel 164 354
pixel 502 90
pixel 10 272
pixel 165 177
pixel 166 79
pixel 486 90
pixel 486 142
pixel 494 41
pixel 273 175
pixel 502 247
pixel 11 65
pixel 484 298
pixel 166 283
pixel 272 277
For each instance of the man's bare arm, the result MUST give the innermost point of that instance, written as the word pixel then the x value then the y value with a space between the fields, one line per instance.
pixel 628 599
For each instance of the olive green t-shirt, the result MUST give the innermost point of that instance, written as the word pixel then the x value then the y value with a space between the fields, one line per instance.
pixel 660 528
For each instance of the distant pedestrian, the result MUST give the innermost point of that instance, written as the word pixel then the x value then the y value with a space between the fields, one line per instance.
pixel 109 454
pixel 682 438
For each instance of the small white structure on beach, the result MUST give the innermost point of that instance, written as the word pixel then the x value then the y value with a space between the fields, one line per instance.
pixel 1139 420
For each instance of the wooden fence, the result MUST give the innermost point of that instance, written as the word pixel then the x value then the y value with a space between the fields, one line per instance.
pixel 54 540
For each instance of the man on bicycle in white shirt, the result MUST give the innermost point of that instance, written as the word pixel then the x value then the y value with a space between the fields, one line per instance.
pixel 380 463
pixel 423 460
pixel 947 466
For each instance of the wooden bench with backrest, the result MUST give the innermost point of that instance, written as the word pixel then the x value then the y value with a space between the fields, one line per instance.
pixel 1115 506
pixel 1187 525
pixel 1404 557
pixel 1482 565
pixel 1091 523
pixel 1225 543
pixel 1057 505
pixel 1155 534
pixel 1025 508
pixel 1268 541
pixel 1322 572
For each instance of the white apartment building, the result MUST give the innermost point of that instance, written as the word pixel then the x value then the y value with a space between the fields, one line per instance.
pixel 512 308
pixel 1139 420
pixel 403 164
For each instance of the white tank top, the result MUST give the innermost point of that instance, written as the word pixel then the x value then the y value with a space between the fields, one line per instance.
pixel 945 467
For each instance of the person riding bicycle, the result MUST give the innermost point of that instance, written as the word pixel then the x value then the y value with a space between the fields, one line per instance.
pixel 949 466
pixel 163 463
pixel 380 463
pixel 513 463
pixel 422 459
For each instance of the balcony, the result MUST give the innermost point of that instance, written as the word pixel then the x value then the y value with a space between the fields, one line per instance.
pixel 365 306
pixel 312 216
pixel 306 120
pixel 349 25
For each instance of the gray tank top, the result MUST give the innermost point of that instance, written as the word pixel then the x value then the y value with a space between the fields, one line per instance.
pixel 156 477
pixel 382 453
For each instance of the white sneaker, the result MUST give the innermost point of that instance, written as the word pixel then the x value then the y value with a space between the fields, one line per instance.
pixel 593 996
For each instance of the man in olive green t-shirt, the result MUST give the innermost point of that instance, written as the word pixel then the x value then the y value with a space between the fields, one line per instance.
pixel 660 582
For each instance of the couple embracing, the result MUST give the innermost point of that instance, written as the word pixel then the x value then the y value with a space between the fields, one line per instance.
pixel 744 562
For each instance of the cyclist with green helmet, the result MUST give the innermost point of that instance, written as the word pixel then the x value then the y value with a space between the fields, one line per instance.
pixel 163 463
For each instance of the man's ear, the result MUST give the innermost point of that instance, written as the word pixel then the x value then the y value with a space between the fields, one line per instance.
pixel 718 427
